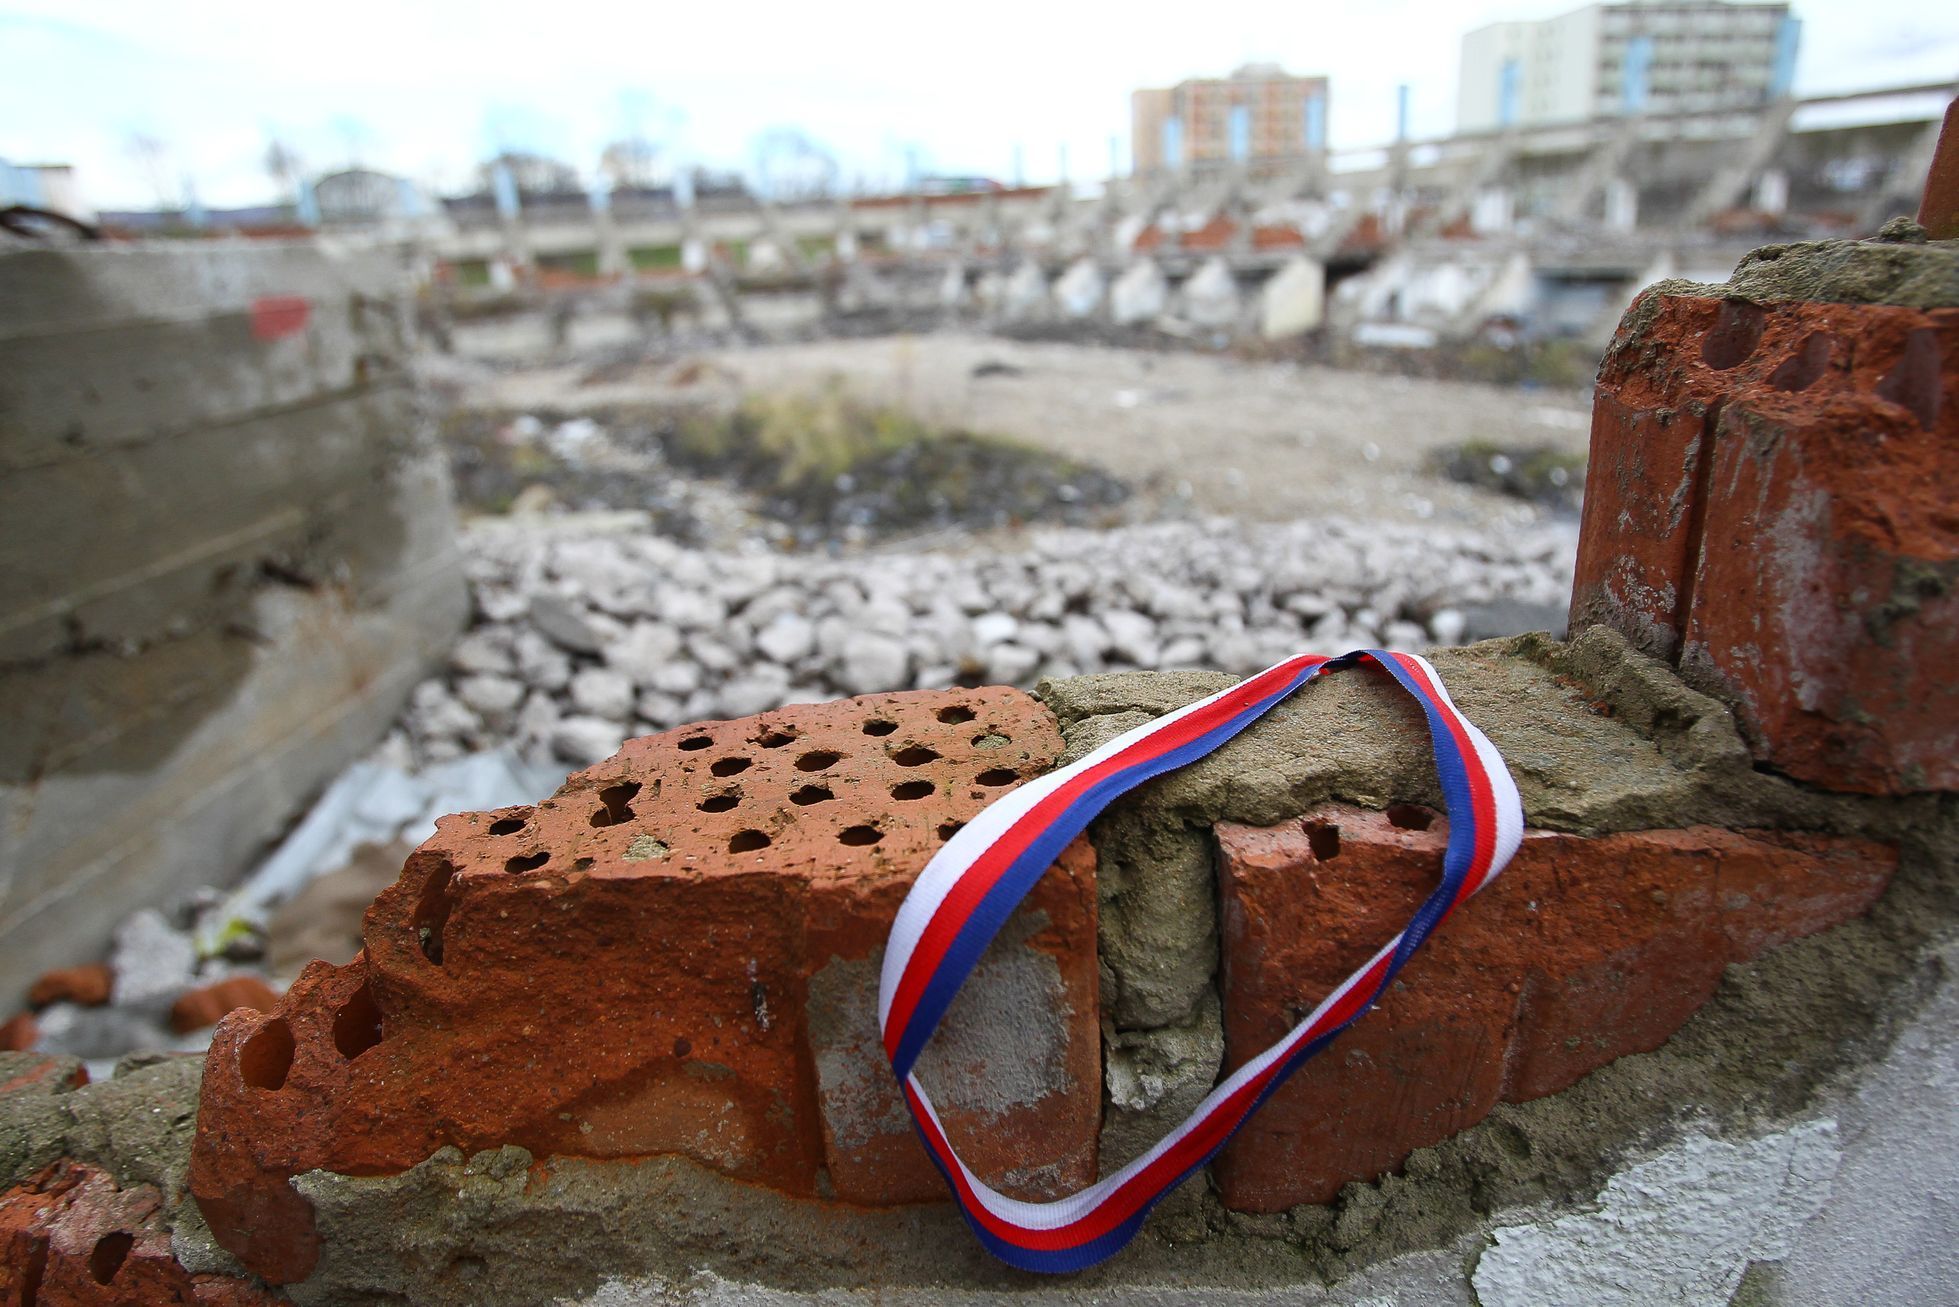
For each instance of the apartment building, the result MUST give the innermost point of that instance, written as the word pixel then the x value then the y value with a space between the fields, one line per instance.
pixel 1258 117
pixel 1650 56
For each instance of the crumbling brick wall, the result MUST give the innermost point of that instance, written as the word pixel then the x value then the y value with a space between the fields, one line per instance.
pixel 631 1030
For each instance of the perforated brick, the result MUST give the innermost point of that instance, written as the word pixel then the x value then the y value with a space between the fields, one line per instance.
pixel 1584 950
pixel 676 953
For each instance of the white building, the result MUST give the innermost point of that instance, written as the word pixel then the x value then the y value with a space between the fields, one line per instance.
pixel 1650 56
pixel 48 186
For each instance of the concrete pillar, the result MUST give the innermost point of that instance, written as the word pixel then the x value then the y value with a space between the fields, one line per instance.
pixel 952 287
pixel 1294 301
pixel 1140 294
pixel 613 260
pixel 1024 296
pixel 229 556
pixel 1772 192
pixel 1078 292
pixel 1621 205
pixel 1211 297
pixel 1493 212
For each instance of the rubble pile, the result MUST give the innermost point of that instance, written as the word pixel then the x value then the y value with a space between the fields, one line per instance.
pixel 157 993
pixel 581 641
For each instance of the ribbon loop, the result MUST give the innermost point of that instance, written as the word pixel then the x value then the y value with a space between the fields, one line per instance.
pixel 979 876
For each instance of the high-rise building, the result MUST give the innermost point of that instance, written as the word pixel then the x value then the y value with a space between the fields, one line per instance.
pixel 1258 117
pixel 1650 56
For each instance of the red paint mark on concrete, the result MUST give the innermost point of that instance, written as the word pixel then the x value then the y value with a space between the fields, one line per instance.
pixel 274 317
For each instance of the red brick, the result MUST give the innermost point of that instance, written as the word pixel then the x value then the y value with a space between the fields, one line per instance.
pixel 87 985
pixel 1769 509
pixel 19 1033
pixel 1550 973
pixel 619 972
pixel 69 1237
pixel 1938 210
pixel 207 1004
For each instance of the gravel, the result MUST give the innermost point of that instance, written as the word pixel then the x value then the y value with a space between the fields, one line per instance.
pixel 581 641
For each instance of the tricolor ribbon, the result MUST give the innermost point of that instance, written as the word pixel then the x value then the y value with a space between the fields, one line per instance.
pixel 979 876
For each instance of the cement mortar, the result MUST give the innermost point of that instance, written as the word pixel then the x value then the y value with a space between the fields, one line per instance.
pixel 1598 737
pixel 1011 1017
pixel 137 1126
pixel 1155 1078
pixel 1902 268
pixel 1158 881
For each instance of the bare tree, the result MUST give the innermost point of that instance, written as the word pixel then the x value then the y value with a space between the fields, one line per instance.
pixel 283 166
pixel 791 165
pixel 153 157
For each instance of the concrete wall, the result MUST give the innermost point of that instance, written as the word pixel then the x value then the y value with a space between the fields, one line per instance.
pixel 228 554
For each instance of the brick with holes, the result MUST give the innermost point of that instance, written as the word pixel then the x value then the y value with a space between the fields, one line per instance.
pixel 1584 950
pixel 69 1235
pixel 677 954
pixel 1769 508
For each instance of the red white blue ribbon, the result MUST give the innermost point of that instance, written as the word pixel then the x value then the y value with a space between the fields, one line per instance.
pixel 968 890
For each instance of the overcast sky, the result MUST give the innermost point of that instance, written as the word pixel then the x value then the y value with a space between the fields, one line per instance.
pixel 428 88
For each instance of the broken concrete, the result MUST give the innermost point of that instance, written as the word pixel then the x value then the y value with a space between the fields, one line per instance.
pixel 230 557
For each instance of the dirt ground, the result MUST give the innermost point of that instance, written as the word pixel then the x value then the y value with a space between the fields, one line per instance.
pixel 1260 441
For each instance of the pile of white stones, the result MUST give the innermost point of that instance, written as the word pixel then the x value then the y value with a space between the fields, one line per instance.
pixel 581 642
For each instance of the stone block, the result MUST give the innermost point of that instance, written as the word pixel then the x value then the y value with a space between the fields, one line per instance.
pixel 39 1073
pixel 1584 950
pixel 1768 508
pixel 677 954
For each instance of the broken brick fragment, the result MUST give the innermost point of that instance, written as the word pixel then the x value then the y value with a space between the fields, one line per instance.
pixel 1938 208
pixel 207 1004
pixel 87 985
pixel 1768 508
pixel 70 1237
pixel 1584 950
pixel 19 1033
pixel 678 953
